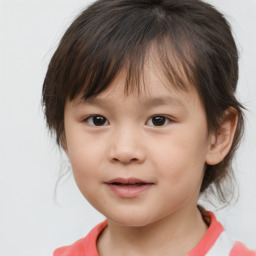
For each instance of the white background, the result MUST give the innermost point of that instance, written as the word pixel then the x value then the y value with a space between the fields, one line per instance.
pixel 31 221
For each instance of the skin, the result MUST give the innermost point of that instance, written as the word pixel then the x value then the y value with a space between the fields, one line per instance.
pixel 163 219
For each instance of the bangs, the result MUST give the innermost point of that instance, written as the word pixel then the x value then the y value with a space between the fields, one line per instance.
pixel 95 59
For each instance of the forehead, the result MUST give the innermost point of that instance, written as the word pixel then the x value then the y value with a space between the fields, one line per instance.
pixel 159 58
pixel 154 89
pixel 159 66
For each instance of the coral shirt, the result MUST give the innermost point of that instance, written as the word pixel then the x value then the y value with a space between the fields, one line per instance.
pixel 214 243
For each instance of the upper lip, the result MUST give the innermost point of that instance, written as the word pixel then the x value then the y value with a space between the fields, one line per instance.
pixel 130 180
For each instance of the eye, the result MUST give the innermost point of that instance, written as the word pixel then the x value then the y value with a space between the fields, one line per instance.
pixel 96 120
pixel 158 121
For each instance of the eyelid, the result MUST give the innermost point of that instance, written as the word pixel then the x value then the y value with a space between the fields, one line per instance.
pixel 85 120
pixel 167 117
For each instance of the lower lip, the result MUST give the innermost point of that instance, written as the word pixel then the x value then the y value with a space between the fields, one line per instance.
pixel 129 191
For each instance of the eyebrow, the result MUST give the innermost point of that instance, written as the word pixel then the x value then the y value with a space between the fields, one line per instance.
pixel 147 102
pixel 158 101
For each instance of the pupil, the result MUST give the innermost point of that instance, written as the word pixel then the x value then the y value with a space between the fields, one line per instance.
pixel 99 120
pixel 158 120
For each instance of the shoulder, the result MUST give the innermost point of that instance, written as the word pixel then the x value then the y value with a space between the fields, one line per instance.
pixel 76 248
pixel 225 244
pixel 216 241
pixel 86 246
pixel 240 249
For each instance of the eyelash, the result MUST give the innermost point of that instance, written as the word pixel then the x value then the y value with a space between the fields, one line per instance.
pixel 86 120
pixel 167 120
pixel 90 120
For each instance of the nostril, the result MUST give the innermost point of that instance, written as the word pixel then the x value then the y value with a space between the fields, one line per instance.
pixel 124 160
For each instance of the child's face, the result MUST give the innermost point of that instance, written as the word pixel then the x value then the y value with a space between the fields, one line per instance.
pixel 158 139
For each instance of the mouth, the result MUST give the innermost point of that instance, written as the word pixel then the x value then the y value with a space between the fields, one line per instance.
pixel 129 182
pixel 128 188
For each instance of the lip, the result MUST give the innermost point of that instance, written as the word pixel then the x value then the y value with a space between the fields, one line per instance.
pixel 128 187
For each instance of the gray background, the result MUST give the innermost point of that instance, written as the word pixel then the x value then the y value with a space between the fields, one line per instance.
pixel 31 221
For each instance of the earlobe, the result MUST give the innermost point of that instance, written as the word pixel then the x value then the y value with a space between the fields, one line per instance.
pixel 221 141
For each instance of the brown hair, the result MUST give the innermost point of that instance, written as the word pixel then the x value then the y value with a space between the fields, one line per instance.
pixel 193 42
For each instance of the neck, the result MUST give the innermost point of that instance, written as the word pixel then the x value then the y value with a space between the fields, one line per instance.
pixel 172 235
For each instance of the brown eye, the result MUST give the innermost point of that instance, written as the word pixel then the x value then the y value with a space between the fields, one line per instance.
pixel 96 120
pixel 158 121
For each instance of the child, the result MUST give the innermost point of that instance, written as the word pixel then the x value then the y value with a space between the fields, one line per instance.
pixel 140 94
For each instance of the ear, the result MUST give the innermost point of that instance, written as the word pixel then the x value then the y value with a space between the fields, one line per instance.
pixel 221 141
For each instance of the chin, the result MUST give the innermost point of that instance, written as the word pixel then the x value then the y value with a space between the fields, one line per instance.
pixel 131 220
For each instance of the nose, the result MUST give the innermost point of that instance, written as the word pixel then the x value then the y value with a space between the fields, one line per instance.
pixel 127 147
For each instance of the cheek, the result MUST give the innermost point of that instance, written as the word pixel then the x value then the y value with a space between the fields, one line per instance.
pixel 85 171
pixel 87 155
pixel 181 176
pixel 181 158
pixel 83 159
pixel 84 151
